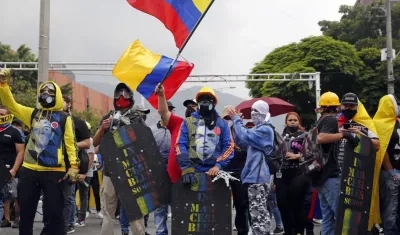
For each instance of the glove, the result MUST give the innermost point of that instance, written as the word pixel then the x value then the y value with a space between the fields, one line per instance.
pixel 225 176
pixel 72 175
pixel 5 74
pixel 189 179
pixel 351 138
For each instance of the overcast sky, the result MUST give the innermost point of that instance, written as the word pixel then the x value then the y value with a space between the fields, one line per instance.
pixel 233 36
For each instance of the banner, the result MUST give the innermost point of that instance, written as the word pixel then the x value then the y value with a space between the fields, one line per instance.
pixel 136 169
pixel 204 208
pixel 356 188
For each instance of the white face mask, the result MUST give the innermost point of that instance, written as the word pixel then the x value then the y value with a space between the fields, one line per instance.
pixel 257 117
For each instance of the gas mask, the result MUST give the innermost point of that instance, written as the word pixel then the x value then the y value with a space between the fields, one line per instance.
pixel 47 97
pixel 206 107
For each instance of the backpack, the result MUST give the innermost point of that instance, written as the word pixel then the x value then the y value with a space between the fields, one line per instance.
pixel 81 154
pixel 275 158
pixel 315 158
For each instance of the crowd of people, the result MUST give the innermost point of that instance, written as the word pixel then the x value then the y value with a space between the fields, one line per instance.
pixel 50 154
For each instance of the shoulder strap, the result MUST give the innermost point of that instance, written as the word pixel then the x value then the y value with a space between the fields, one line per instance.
pixel 33 115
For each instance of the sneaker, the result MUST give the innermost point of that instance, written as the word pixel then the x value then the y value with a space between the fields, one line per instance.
pixel 70 229
pixel 146 233
pixel 234 228
pixel 169 215
pixel 278 231
pixel 100 215
pixel 15 224
pixel 80 223
pixel 317 221
pixel 87 214
pixel 125 233
pixel 5 224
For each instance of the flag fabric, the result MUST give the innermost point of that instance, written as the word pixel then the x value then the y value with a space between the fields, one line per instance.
pixel 179 16
pixel 142 70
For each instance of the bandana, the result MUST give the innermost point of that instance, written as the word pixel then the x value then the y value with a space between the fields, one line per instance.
pixel 5 121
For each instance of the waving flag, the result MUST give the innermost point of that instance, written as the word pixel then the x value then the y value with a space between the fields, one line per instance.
pixel 142 70
pixel 181 17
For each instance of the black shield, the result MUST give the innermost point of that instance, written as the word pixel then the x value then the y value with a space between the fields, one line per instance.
pixel 136 169
pixel 356 188
pixel 204 208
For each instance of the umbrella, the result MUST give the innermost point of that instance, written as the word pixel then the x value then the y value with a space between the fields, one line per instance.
pixel 276 106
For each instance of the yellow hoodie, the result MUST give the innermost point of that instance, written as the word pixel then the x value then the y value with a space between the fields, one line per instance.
pixel 385 120
pixel 44 150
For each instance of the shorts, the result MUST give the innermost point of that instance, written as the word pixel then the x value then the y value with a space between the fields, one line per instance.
pixel 10 190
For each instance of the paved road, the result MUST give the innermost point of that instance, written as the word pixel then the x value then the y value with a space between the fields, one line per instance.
pixel 93 227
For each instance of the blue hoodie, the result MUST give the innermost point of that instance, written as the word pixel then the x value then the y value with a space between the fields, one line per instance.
pixel 201 148
pixel 260 141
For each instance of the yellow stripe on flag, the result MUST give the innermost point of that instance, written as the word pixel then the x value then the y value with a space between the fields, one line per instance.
pixel 202 5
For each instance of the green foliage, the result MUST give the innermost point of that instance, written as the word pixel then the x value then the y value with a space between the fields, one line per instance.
pixel 67 89
pixel 337 61
pixel 91 116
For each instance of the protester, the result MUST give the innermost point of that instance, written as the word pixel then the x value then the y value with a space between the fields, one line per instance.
pixel 12 145
pixel 122 115
pixel 235 166
pixel 43 167
pixel 292 186
pixel 204 143
pixel 255 174
pixel 386 121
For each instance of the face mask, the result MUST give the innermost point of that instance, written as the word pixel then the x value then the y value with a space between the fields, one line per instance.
pixel 206 108
pixel 122 103
pixel 47 100
pixel 293 128
pixel 189 111
pixel 257 117
pixel 5 121
pixel 349 113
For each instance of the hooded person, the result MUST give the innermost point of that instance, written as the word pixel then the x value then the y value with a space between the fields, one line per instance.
pixel 123 114
pixel 255 175
pixel 387 163
pixel 204 144
pixel 51 144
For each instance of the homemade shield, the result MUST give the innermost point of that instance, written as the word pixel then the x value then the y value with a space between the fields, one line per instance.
pixel 356 188
pixel 204 208
pixel 136 169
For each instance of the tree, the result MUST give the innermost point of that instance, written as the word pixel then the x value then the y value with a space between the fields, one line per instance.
pixel 67 89
pixel 91 116
pixel 338 62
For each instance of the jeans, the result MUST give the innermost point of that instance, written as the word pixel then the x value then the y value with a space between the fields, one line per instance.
pixel 31 183
pixel 123 221
pixel 83 196
pixel 390 189
pixel 329 194
pixel 273 208
pixel 72 199
pixel 160 220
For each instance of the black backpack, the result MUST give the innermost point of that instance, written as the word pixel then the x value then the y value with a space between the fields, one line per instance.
pixel 81 154
pixel 275 158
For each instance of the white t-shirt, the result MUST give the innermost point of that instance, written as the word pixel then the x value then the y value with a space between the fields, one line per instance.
pixel 90 150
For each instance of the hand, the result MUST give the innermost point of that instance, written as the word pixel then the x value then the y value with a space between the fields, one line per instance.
pixel 292 156
pixel 5 74
pixel 355 130
pixel 82 177
pixel 189 179
pixel 232 112
pixel 160 90
pixel 213 171
pixel 353 140
pixel 105 125
pixel 13 173
pixel 395 174
pixel 72 175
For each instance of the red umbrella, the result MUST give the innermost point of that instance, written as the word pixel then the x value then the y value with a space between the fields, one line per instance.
pixel 276 106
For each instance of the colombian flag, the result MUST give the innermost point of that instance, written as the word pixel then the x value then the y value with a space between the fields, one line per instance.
pixel 179 16
pixel 142 70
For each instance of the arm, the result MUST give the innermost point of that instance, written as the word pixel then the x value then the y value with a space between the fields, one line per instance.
pixel 84 144
pixel 163 107
pixel 328 133
pixel 256 137
pixel 21 112
pixel 181 149
pixel 84 134
pixel 387 165
pixel 90 152
pixel 20 149
pixel 97 137
pixel 69 140
pixel 376 144
pixel 227 146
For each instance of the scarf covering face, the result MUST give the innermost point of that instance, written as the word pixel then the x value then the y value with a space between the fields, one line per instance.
pixel 5 121
pixel 263 114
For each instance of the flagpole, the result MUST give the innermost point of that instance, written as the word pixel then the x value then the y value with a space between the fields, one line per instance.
pixel 186 41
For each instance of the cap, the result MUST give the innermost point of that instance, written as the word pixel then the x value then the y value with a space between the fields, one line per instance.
pixel 139 107
pixel 187 102
pixel 170 105
pixel 349 98
pixel 225 110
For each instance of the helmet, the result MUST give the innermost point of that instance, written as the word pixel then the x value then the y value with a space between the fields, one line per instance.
pixel 207 91
pixel 328 99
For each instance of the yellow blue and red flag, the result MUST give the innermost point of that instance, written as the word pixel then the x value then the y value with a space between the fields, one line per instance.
pixel 142 70
pixel 181 17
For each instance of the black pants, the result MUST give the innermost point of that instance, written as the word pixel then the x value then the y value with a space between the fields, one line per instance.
pixel 96 190
pixel 307 206
pixel 291 191
pixel 30 185
pixel 239 193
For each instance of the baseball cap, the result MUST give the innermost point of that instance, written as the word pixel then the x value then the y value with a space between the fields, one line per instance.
pixel 187 102
pixel 170 105
pixel 350 99
pixel 139 107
